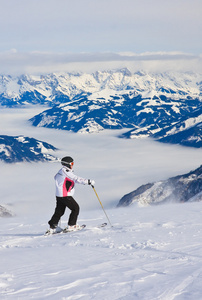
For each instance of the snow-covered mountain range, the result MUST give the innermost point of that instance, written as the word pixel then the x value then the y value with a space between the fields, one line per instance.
pixel 165 106
pixel 20 148
pixel 187 130
pixel 60 87
pixel 182 188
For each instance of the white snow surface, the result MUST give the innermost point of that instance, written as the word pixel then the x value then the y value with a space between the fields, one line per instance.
pixel 150 253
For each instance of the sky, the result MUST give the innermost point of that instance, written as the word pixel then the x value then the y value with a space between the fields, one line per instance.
pixel 47 33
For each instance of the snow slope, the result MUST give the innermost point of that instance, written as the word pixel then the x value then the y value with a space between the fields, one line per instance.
pixel 150 253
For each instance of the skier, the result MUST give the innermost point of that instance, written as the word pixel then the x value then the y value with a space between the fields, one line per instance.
pixel 65 180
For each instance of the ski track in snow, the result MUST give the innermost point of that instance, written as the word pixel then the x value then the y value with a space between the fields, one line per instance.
pixel 150 253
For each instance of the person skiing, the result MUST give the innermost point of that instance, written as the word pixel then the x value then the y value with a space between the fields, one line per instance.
pixel 65 180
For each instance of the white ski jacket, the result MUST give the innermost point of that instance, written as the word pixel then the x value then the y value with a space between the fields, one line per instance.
pixel 65 180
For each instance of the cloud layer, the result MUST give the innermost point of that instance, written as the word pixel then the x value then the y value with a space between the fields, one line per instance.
pixel 13 62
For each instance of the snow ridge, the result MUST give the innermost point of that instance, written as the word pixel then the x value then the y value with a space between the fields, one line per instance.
pixel 182 188
pixel 20 148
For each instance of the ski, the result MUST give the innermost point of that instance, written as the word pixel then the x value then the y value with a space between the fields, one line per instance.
pixel 49 231
pixel 102 225
pixel 98 226
pixel 61 231
pixel 66 230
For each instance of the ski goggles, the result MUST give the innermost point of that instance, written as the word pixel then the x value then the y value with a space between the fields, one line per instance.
pixel 68 163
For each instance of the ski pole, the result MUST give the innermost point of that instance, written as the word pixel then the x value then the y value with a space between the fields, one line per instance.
pixel 101 205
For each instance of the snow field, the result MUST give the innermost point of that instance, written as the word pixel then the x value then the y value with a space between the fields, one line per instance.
pixel 150 253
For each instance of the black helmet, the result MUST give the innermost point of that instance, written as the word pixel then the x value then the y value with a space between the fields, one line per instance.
pixel 67 161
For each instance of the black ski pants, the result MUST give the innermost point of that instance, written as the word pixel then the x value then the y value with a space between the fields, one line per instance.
pixel 61 204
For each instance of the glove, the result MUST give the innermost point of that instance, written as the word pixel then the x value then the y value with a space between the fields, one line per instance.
pixel 91 182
